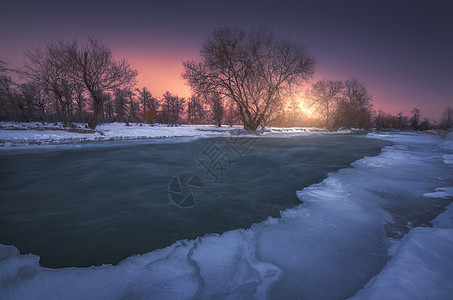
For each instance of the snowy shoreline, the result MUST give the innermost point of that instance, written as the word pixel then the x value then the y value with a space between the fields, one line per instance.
pixel 32 134
pixel 247 263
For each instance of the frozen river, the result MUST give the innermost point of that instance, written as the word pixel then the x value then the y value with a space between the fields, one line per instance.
pixel 100 204
pixel 308 217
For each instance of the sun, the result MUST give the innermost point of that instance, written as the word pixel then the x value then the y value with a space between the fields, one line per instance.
pixel 305 108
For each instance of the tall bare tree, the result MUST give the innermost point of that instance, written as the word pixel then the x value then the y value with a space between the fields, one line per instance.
pixel 255 70
pixel 324 96
pixel 92 63
pixel 42 68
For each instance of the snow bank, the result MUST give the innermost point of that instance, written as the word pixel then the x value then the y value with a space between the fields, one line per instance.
pixel 329 247
pixel 33 134
pixel 107 132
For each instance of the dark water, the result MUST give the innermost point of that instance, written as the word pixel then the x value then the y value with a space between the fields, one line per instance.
pixel 99 204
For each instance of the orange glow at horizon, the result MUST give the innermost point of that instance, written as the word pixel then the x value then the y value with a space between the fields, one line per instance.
pixel 160 71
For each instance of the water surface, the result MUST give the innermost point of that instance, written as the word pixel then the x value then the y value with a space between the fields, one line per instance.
pixel 101 203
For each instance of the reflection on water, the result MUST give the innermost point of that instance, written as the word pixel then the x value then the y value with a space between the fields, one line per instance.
pixel 101 204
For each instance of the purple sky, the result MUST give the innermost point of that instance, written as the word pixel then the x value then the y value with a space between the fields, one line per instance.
pixel 401 50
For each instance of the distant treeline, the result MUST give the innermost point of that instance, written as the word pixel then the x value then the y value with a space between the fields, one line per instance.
pixel 241 78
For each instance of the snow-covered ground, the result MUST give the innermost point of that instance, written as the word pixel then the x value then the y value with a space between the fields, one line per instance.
pixel 304 254
pixel 33 133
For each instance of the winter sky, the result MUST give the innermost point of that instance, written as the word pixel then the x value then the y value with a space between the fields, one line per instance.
pixel 401 50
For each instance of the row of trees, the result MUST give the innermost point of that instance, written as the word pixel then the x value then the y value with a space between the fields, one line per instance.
pixel 250 78
pixel 341 104
pixel 67 73
pixel 70 102
pixel 384 121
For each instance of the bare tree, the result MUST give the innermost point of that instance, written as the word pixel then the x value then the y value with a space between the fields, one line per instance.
pixel 324 96
pixel 171 108
pixel 196 112
pixel 80 100
pixel 217 109
pixel 354 108
pixel 12 104
pixel 3 68
pixel 93 64
pixel 34 100
pixel 447 117
pixel 134 105
pixel 147 100
pixel 255 70
pixel 231 114
pixel 191 105
pixel 108 107
pixel 120 102
pixel 415 120
pixel 5 92
pixel 294 110
pixel 150 105
pixel 41 68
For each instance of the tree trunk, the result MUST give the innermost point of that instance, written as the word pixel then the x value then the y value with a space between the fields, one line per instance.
pixel 251 125
pixel 94 118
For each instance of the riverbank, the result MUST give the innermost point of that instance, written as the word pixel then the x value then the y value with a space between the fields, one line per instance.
pixel 23 134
